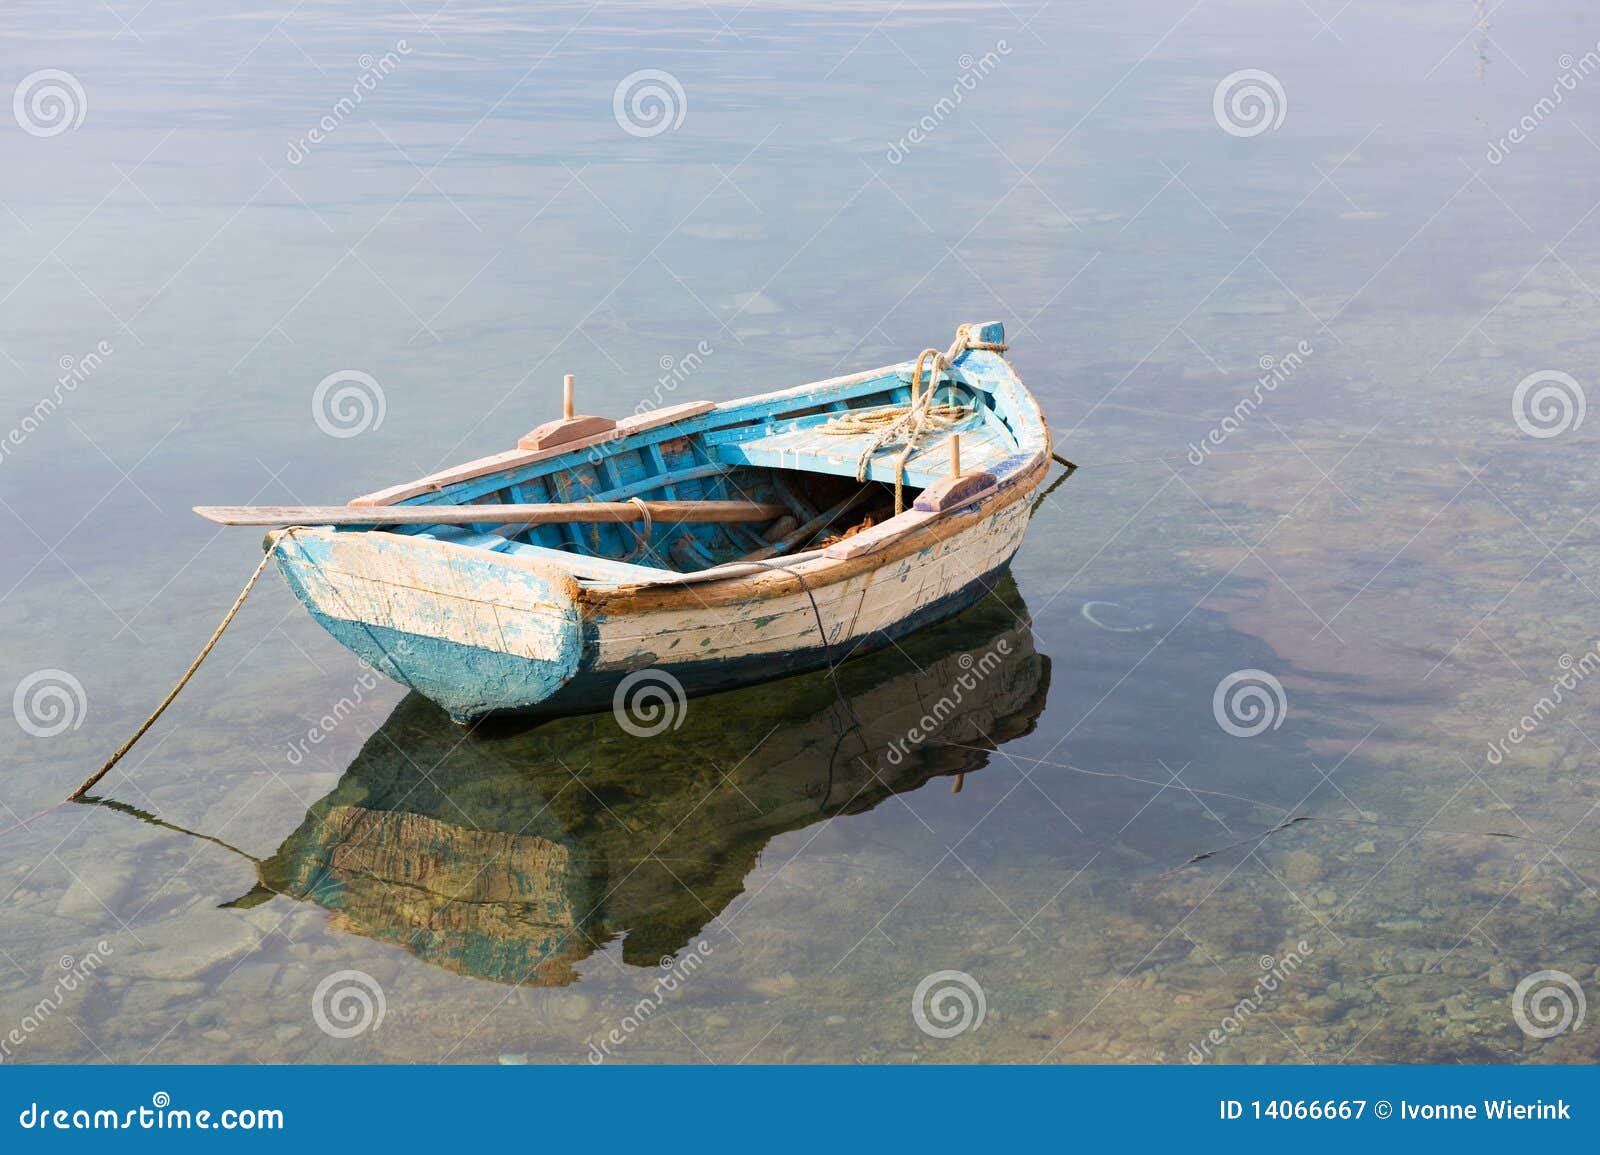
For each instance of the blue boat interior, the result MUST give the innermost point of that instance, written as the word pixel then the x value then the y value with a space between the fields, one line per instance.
pixel 777 448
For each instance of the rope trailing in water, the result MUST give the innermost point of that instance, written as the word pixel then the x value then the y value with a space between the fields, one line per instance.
pixel 905 425
pixel 88 783
pixel 838 690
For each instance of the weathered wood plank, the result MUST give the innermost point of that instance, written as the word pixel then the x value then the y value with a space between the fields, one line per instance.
pixel 521 459
pixel 699 628
pixel 666 512
pixel 564 431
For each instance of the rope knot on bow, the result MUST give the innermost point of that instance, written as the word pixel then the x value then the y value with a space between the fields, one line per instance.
pixel 904 425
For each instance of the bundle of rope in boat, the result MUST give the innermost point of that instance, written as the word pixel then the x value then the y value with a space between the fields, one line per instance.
pixel 904 425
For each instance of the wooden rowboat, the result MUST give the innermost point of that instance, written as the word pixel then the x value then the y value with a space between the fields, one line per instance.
pixel 833 518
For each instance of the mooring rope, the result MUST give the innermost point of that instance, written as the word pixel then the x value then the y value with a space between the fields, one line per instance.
pixel 838 690
pixel 905 425
pixel 88 783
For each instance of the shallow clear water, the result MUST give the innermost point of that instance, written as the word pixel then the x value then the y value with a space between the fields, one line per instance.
pixel 1118 871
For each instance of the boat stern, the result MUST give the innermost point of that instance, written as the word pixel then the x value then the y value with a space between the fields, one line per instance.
pixel 475 631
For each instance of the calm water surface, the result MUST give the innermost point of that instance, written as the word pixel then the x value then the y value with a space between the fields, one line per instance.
pixel 1288 362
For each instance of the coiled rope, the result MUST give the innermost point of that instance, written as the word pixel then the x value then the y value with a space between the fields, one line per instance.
pixel 905 425
pixel 641 538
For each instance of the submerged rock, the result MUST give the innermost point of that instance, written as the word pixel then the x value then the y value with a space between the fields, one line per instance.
pixel 189 945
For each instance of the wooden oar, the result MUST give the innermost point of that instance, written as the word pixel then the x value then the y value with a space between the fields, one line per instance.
pixel 661 512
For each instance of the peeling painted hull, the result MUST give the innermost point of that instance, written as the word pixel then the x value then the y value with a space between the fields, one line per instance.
pixel 474 681
pixel 440 671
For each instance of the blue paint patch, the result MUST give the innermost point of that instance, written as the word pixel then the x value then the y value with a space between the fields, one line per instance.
pixel 468 681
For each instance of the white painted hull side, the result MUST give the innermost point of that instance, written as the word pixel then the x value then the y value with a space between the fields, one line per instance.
pixel 868 603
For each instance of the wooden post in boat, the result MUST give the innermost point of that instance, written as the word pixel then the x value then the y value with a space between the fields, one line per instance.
pixel 955 455
pixel 570 426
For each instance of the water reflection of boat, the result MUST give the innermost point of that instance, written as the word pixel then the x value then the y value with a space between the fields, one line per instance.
pixel 513 857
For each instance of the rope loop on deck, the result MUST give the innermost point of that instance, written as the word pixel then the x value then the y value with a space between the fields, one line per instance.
pixel 904 425
pixel 641 539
